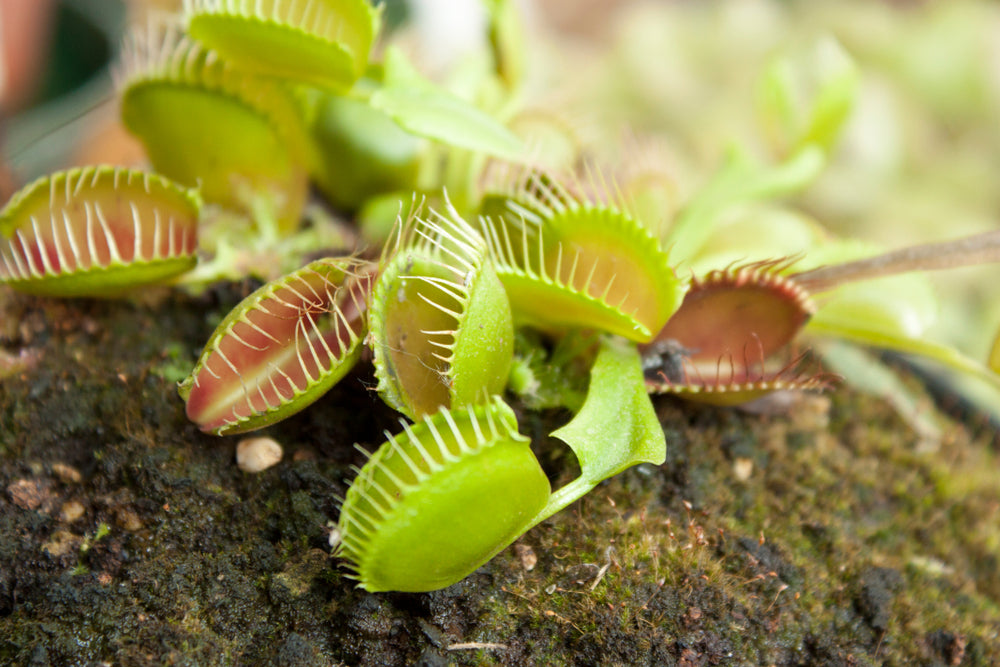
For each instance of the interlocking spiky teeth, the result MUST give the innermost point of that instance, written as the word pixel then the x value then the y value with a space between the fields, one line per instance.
pixel 97 231
pixel 281 348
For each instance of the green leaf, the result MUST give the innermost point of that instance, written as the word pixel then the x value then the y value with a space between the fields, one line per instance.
pixel 739 181
pixel 806 98
pixel 422 108
pixel 615 429
pixel 869 333
pixel 438 115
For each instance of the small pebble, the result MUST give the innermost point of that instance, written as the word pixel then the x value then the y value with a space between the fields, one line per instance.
pixel 29 494
pixel 743 468
pixel 71 511
pixel 66 474
pixel 527 556
pixel 61 543
pixel 128 520
pixel 257 454
pixel 333 539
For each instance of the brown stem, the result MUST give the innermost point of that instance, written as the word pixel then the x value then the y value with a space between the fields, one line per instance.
pixel 977 249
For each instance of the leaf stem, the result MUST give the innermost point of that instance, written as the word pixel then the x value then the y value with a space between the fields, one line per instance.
pixel 977 249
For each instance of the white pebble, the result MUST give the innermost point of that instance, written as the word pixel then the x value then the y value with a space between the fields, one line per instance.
pixel 743 468
pixel 257 454
pixel 334 539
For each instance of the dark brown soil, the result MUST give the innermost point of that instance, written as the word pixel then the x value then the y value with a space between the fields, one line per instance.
pixel 828 536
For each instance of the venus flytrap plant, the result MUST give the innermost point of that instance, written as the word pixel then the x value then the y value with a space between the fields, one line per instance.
pixel 472 474
pixel 261 96
pixel 97 231
pixel 250 104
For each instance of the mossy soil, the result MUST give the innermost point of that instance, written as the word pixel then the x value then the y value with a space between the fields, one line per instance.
pixel 830 535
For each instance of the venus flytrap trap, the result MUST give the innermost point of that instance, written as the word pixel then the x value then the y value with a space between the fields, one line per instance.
pixel 470 473
pixel 566 261
pixel 281 348
pixel 97 231
pixel 442 330
pixel 717 347
pixel 465 471
pixel 732 321
pixel 204 122
pixel 317 42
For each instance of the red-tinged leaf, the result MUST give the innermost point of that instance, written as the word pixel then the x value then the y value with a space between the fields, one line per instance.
pixel 281 348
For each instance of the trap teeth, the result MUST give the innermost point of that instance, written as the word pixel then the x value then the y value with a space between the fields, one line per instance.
pixel 567 262
pixel 280 349
pixel 464 478
pixel 441 325
pixel 97 231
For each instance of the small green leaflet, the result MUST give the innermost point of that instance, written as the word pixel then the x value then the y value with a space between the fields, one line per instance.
pixel 738 181
pixel 438 115
pixel 428 111
pixel 806 97
pixel 615 429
